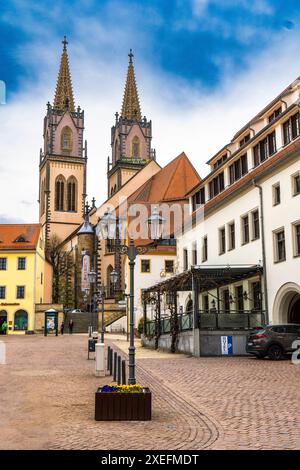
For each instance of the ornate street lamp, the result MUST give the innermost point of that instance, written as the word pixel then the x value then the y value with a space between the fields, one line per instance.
pixel 92 277
pixel 101 298
pixel 156 224
pixel 114 277
pixel 107 229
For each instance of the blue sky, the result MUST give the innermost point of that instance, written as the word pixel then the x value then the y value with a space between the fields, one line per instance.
pixel 192 39
pixel 207 58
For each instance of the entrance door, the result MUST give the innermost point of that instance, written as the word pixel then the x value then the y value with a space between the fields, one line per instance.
pixel 294 314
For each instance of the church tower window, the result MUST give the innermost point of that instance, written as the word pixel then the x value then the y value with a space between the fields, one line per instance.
pixel 72 190
pixel 66 139
pixel 136 147
pixel 42 197
pixel 59 193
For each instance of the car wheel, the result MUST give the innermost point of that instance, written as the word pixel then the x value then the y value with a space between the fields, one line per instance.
pixel 275 352
pixel 260 356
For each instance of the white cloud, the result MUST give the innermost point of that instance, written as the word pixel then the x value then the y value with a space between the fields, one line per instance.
pixel 184 117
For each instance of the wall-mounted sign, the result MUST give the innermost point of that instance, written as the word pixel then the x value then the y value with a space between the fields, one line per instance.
pixel 226 345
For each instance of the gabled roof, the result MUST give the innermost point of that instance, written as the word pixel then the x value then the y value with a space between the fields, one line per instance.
pixel 171 183
pixel 11 234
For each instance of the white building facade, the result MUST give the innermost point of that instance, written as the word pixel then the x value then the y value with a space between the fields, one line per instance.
pixel 244 226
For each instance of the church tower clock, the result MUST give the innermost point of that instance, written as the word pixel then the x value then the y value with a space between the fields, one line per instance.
pixel 62 171
pixel 131 137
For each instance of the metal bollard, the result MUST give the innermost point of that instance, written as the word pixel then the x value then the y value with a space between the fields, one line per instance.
pixel 123 372
pixel 110 361
pixel 115 367
pixel 108 354
pixel 119 370
pixel 100 360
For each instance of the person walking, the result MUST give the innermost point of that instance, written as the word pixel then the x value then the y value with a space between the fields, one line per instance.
pixel 62 327
pixel 71 325
pixel 4 327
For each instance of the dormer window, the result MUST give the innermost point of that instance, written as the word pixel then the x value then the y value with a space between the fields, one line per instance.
pixel 20 239
pixel 220 161
pixel 245 139
pixel 275 114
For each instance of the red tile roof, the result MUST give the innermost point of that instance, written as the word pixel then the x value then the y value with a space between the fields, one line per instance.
pixel 171 183
pixel 11 233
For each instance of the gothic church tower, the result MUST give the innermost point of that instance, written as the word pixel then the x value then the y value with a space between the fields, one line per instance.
pixel 130 137
pixel 62 180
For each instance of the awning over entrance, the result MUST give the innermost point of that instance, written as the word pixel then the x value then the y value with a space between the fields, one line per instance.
pixel 206 278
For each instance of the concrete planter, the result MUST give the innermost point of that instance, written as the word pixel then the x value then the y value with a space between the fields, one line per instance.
pixel 116 406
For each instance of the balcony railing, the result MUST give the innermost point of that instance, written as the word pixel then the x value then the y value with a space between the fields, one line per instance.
pixel 213 320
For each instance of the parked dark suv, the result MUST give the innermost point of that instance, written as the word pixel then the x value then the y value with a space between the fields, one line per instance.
pixel 273 341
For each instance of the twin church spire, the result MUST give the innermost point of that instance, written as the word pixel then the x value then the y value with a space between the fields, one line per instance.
pixel 64 93
pixel 64 98
pixel 131 106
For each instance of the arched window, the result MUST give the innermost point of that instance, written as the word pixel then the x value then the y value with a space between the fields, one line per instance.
pixel 136 147
pixel 66 139
pixel 21 320
pixel 72 191
pixel 60 193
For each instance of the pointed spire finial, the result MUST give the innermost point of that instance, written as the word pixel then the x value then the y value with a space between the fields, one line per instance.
pixel 131 106
pixel 130 55
pixel 65 43
pixel 64 94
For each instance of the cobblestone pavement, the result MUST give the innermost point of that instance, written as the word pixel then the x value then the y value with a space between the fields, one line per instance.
pixel 47 400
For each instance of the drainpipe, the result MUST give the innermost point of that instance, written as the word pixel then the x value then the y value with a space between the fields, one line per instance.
pixel 263 246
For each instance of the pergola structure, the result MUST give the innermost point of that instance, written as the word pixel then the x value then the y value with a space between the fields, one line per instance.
pixel 197 280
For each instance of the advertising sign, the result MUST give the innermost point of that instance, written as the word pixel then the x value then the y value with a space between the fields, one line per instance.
pixel 85 271
pixel 226 345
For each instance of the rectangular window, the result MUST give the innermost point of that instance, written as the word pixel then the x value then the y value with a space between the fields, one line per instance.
pixel 276 194
pixel 238 169
pixel 245 230
pixel 205 304
pixel 185 259
pixel 255 224
pixel 226 301
pixel 20 292
pixel 264 149
pixel 194 255
pixel 2 292
pixel 169 266
pixel 204 249
pixel 145 265
pixel 296 239
pixel 239 296
pixel 296 184
pixel 216 185
pixel 291 128
pixel 3 264
pixel 21 263
pixel 198 199
pixel 279 238
pixel 256 295
pixel 231 236
pixel 222 240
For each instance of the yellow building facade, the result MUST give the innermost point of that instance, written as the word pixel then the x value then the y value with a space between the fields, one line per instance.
pixel 23 271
